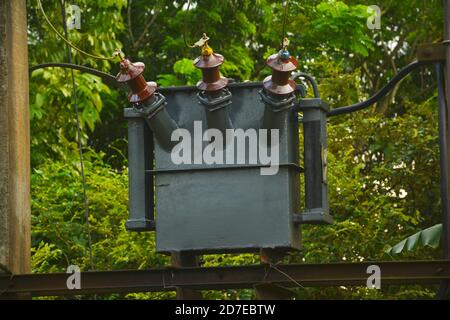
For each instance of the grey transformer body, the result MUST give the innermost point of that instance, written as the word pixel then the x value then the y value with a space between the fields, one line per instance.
pixel 223 208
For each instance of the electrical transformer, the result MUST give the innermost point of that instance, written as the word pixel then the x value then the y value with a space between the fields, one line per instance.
pixel 216 168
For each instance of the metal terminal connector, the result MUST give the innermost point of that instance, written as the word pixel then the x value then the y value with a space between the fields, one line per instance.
pixel 278 104
pixel 215 102
pixel 151 107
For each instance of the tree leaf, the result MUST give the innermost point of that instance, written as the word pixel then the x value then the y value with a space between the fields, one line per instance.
pixel 430 237
pixel 399 247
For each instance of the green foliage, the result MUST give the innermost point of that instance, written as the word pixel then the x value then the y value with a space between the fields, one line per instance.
pixel 427 237
pixel 383 162
pixel 52 110
pixel 184 73
pixel 59 230
pixel 344 27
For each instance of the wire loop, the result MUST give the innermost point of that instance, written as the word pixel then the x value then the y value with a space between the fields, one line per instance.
pixel 117 53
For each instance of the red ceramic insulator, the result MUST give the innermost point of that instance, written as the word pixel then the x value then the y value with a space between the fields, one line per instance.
pixel 131 74
pixel 212 80
pixel 280 82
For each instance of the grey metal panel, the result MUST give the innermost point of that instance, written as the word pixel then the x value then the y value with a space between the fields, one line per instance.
pixel 226 209
pixel 140 190
pixel 246 111
pixel 316 166
pixel 237 209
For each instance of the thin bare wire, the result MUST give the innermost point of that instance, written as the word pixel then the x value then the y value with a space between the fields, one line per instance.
pixel 185 25
pixel 68 42
pixel 80 143
pixel 286 9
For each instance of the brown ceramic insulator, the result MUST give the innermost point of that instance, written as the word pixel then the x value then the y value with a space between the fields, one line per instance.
pixel 212 80
pixel 280 82
pixel 131 74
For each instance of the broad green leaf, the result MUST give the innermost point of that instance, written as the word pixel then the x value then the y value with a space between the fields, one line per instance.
pixel 432 236
pixel 427 237
pixel 413 241
pixel 399 247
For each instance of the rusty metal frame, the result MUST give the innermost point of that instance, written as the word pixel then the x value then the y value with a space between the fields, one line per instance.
pixel 221 278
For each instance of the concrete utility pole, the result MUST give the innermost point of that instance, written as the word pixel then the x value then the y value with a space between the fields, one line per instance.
pixel 15 220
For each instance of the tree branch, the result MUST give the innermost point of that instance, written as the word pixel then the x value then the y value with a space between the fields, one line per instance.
pixel 149 23
pixel 130 29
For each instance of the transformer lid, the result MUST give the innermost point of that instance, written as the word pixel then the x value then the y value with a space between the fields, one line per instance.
pixel 129 70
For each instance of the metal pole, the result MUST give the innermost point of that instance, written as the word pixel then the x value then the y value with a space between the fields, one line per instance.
pixel 443 150
pixel 446 218
pixel 444 138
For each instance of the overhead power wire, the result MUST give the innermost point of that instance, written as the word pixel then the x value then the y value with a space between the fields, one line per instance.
pixel 65 38
pixel 285 16
pixel 185 25
pixel 79 139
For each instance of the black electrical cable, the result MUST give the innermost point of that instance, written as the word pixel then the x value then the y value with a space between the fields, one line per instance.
pixel 382 93
pixel 106 77
pixel 311 80
pixel 79 140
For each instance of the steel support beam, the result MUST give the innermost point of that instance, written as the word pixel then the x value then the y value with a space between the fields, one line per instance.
pixel 219 278
pixel 182 260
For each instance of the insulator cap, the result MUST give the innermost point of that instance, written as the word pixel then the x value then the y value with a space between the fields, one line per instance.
pixel 280 82
pixel 212 80
pixel 131 74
